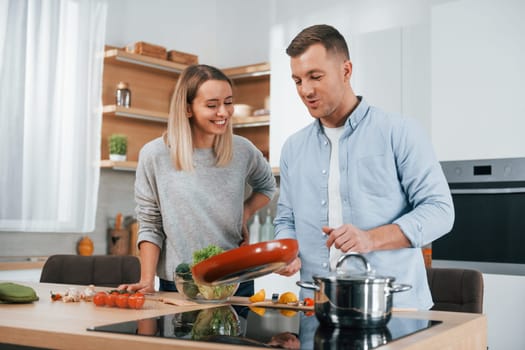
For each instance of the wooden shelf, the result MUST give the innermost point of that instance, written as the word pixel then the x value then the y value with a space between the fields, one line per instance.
pixel 124 166
pixel 250 122
pixel 136 113
pixel 122 57
pixel 250 71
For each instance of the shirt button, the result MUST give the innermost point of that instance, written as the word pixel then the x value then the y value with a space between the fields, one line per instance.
pixel 419 227
pixel 323 202
pixel 326 143
pixel 325 265
pixel 324 171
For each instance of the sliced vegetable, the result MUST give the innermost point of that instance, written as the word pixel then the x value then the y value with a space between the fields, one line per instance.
pixel 259 296
pixel 288 298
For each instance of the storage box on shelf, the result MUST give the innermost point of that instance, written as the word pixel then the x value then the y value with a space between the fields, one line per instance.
pixel 151 81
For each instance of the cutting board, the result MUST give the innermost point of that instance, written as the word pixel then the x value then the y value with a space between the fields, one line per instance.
pixel 272 305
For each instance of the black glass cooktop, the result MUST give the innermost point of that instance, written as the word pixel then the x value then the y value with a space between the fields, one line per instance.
pixel 274 328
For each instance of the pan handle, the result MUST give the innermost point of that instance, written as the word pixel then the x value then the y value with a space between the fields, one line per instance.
pixel 395 288
pixel 308 285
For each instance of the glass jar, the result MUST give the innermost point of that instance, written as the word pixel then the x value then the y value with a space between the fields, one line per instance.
pixel 123 95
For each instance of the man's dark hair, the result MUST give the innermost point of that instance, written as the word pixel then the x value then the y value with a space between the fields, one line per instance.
pixel 322 34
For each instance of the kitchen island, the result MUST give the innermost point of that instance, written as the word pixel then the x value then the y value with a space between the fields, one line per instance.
pixel 59 325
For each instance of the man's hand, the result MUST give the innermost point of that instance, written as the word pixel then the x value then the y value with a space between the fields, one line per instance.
pixel 349 238
pixel 291 268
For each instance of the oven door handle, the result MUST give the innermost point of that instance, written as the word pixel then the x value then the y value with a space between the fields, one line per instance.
pixel 487 190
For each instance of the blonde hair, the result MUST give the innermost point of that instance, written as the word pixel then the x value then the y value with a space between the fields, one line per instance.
pixel 178 136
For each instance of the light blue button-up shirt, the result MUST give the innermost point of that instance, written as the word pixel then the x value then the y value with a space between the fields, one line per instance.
pixel 389 174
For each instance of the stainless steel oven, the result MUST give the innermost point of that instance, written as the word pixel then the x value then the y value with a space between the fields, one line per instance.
pixel 489 229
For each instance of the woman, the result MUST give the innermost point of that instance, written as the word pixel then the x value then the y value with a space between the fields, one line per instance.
pixel 190 183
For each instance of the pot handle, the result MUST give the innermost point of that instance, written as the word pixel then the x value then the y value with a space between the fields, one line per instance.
pixel 308 285
pixel 400 288
pixel 357 255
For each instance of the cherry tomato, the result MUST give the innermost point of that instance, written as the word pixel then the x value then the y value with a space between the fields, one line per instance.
pixel 111 298
pixel 99 299
pixel 122 300
pixel 136 300
pixel 308 302
pixel 56 296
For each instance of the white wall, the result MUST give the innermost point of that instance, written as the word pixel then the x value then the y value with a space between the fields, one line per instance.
pixel 222 33
pixel 478 55
pixel 387 40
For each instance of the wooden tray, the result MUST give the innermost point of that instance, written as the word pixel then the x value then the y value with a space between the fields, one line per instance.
pixel 272 305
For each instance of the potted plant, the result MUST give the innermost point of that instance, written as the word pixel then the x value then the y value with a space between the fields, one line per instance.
pixel 118 145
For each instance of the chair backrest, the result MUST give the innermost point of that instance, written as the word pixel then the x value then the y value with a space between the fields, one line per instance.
pixel 100 270
pixel 458 290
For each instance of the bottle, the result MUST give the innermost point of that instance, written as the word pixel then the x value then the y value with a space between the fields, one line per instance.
pixel 427 255
pixel 254 229
pixel 85 246
pixel 267 229
pixel 123 95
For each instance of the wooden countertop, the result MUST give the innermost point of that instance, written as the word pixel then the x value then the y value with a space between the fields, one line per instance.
pixel 17 263
pixel 60 325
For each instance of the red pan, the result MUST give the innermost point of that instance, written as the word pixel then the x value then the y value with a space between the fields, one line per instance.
pixel 246 262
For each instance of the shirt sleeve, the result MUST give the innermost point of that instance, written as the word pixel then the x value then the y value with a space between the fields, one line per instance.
pixel 146 196
pixel 284 220
pixel 424 184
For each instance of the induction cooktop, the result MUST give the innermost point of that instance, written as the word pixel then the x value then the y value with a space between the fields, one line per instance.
pixel 271 328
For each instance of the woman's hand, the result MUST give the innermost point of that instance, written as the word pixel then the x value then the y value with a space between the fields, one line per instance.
pixel 245 235
pixel 142 287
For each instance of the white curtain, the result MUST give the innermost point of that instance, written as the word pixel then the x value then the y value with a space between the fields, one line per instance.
pixel 51 61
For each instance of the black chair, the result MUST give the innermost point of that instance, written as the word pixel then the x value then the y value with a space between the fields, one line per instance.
pixel 459 290
pixel 100 270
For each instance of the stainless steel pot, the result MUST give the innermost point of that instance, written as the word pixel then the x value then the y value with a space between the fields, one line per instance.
pixel 353 300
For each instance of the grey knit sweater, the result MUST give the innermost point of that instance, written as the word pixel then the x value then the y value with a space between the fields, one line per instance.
pixel 183 211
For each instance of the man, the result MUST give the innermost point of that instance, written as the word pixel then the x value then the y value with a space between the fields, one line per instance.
pixel 357 179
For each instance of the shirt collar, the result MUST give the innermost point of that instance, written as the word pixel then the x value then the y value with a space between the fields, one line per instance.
pixel 358 114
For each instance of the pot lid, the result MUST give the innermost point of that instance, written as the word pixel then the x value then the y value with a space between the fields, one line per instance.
pixel 367 276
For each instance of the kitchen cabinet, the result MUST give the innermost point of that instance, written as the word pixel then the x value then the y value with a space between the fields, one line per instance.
pixel 152 82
